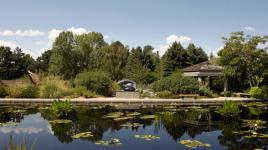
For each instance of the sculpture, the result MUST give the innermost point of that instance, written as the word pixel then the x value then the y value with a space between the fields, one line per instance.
pixel 127 85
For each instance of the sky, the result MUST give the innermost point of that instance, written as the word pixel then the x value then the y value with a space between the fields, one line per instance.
pixel 33 25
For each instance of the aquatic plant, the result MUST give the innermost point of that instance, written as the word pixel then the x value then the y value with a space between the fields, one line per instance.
pixel 61 108
pixel 60 121
pixel 147 117
pixel 110 142
pixel 82 135
pixel 4 124
pixel 147 137
pixel 22 146
pixel 193 143
pixel 229 110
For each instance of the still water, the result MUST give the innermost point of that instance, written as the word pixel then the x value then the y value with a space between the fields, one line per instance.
pixel 167 126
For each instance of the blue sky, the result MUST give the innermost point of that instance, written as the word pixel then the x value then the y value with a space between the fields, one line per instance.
pixel 33 24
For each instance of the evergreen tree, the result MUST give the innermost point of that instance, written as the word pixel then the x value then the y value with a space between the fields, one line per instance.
pixel 195 54
pixel 174 58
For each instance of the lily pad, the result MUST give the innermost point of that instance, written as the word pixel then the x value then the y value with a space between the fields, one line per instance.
pixel 82 135
pixel 147 137
pixel 60 121
pixel 4 124
pixel 111 142
pixel 147 117
pixel 115 114
pixel 123 118
pixel 133 114
pixel 112 116
pixel 131 125
pixel 193 143
pixel 254 123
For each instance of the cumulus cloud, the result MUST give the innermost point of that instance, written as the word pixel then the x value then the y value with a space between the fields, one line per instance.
pixel 171 39
pixel 54 33
pixel 174 38
pixel 23 33
pixel 19 130
pixel 249 28
pixel 10 44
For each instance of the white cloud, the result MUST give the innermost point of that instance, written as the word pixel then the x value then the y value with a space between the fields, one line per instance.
pixel 249 28
pixel 10 44
pixel 54 33
pixel 106 36
pixel 171 39
pixel 23 33
pixel 174 38
pixel 19 130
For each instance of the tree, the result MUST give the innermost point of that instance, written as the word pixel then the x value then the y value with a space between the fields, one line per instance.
pixel 174 58
pixel 64 58
pixel 195 54
pixel 243 59
pixel 14 64
pixel 42 62
pixel 115 57
pixel 89 47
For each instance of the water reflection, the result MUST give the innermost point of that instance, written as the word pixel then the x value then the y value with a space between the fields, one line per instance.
pixel 178 123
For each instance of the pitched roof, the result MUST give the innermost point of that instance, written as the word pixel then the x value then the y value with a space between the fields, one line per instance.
pixel 203 67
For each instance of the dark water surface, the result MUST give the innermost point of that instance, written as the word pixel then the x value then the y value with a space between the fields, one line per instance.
pixel 171 124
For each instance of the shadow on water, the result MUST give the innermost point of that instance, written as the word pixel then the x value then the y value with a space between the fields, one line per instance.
pixel 172 123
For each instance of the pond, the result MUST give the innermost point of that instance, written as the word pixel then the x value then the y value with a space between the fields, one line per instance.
pixel 127 128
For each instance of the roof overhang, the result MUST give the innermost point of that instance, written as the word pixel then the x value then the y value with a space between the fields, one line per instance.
pixel 203 74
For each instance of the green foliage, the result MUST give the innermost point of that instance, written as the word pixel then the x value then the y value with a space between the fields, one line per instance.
pixel 64 58
pixel 54 87
pixel 29 91
pixel 229 110
pixel 163 94
pixel 3 91
pixel 22 146
pixel 176 84
pixel 256 92
pixel 96 81
pixel 174 58
pixel 204 91
pixel 115 59
pixel 61 108
pixel 82 91
pixel 243 60
pixel 195 54
pixel 23 91
pixel 42 62
pixel 14 64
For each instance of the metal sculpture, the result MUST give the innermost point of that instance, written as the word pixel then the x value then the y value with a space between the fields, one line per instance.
pixel 127 85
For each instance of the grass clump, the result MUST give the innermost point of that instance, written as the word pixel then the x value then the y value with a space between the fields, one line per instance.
pixel 3 91
pixel 54 87
pixel 81 91
pixel 163 94
pixel 23 91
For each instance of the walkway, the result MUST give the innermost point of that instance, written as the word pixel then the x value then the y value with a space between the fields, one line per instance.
pixel 108 101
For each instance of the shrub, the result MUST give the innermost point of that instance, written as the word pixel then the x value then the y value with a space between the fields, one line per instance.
pixel 229 110
pixel 61 108
pixel 82 91
pixel 256 92
pixel 30 91
pixel 23 91
pixel 96 81
pixel 204 91
pixel 54 87
pixel 176 83
pixel 3 91
pixel 163 94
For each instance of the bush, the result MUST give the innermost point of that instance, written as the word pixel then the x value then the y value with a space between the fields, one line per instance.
pixel 30 91
pixel 54 87
pixel 96 81
pixel 204 91
pixel 82 91
pixel 3 91
pixel 23 91
pixel 256 92
pixel 163 94
pixel 176 84
pixel 61 108
pixel 229 110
